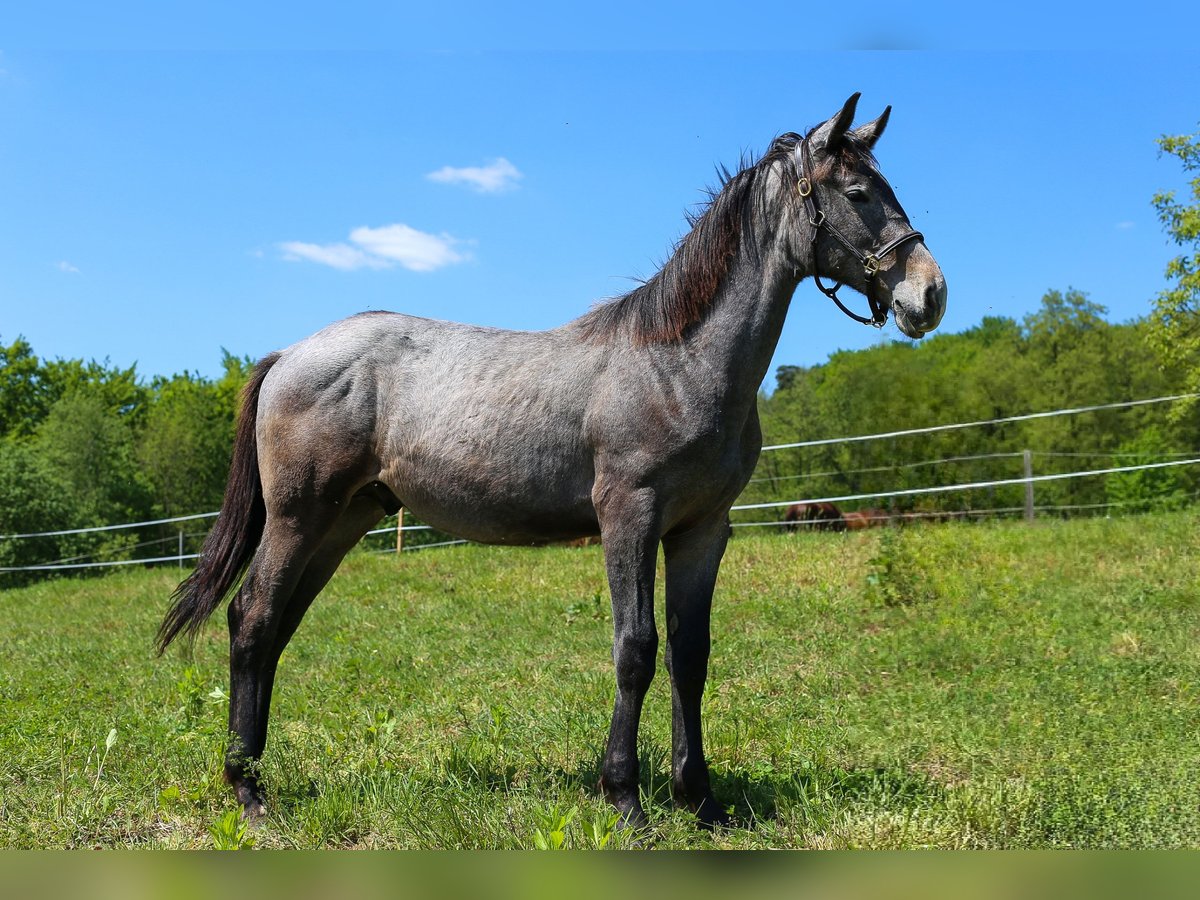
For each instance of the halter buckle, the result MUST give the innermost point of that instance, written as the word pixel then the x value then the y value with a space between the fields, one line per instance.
pixel 819 220
pixel 804 187
pixel 871 265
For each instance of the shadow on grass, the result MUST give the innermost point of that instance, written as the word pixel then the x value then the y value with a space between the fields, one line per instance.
pixel 466 799
pixel 811 794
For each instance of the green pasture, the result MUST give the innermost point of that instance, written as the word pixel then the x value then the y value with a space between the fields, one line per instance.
pixel 955 685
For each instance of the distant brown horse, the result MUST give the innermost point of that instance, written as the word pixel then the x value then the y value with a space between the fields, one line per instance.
pixel 857 520
pixel 589 541
pixel 815 517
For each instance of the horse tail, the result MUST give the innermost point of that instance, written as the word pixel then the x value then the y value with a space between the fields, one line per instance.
pixel 231 543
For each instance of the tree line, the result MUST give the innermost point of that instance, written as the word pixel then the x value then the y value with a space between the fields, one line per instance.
pixel 1064 355
pixel 85 444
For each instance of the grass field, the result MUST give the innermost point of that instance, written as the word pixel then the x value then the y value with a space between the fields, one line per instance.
pixel 991 685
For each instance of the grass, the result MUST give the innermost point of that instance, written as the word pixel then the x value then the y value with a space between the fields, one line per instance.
pixel 991 685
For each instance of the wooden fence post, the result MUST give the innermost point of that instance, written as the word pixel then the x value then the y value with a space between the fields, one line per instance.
pixel 1028 457
pixel 400 530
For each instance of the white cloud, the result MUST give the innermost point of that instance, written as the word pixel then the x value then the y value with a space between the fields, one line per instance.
pixel 1125 226
pixel 382 248
pixel 339 256
pixel 63 266
pixel 498 175
pixel 412 249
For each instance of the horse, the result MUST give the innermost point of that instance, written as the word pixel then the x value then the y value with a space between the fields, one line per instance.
pixel 636 421
pixel 817 516
pixel 871 517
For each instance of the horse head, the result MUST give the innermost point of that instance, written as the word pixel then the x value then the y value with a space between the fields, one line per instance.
pixel 858 234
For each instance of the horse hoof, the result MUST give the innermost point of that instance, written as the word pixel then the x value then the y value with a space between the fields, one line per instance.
pixel 633 819
pixel 254 806
pixel 710 815
pixel 254 811
pixel 635 830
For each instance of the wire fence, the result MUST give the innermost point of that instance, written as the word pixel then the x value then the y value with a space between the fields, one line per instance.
pixel 999 420
pixel 430 538
pixel 944 488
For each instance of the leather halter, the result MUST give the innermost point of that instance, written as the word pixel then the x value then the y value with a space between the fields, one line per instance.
pixel 870 261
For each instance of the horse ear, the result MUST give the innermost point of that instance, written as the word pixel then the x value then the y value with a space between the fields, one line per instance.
pixel 830 134
pixel 871 132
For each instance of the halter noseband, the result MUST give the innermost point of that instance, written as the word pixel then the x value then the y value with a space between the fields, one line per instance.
pixel 870 261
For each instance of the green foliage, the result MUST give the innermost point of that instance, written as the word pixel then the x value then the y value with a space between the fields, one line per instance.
pixel 1166 487
pixel 185 445
pixel 601 828
pixel 23 399
pixel 87 444
pixel 1065 354
pixel 30 388
pixel 895 576
pixel 35 498
pixel 552 833
pixel 93 449
pixel 231 832
pixel 1175 321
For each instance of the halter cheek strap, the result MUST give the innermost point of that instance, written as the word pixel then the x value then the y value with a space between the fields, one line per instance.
pixel 870 261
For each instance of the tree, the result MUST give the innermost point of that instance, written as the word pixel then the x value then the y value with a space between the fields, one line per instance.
pixel 29 387
pixel 1165 488
pixel 92 450
pixel 23 401
pixel 1175 331
pixel 34 497
pixel 1064 354
pixel 185 445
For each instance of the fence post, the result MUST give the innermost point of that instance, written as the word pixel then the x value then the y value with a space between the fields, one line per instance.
pixel 181 549
pixel 1028 458
pixel 400 530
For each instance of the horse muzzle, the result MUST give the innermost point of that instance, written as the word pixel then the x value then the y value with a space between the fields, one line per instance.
pixel 918 302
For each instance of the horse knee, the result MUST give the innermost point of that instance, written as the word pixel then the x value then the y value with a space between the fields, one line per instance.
pixel 634 656
pixel 687 660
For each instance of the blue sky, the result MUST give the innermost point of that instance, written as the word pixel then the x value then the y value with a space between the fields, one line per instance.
pixel 173 185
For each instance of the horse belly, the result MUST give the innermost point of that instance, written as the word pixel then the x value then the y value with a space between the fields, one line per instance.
pixel 498 495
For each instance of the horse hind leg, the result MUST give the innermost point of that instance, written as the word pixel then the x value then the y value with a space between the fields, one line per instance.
pixel 292 565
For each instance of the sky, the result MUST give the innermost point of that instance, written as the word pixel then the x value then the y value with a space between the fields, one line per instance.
pixel 177 180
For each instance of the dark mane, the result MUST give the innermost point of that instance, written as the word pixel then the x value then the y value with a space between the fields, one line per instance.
pixel 680 294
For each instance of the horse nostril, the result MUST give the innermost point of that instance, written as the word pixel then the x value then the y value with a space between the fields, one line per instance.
pixel 935 298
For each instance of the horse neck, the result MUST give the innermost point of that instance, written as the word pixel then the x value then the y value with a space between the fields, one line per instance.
pixel 737 339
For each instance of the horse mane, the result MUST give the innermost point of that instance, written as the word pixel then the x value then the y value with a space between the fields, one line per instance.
pixel 680 294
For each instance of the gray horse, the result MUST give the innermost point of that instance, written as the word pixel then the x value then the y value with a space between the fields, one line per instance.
pixel 637 421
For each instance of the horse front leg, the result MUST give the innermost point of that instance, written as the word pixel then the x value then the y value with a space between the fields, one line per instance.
pixel 692 560
pixel 629 531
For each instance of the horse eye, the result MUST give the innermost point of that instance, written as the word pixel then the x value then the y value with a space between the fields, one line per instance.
pixel 857 195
